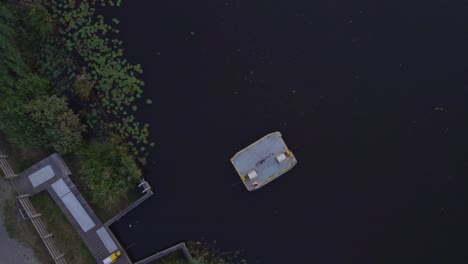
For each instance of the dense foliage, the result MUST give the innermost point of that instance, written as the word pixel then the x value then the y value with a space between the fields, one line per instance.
pixel 110 170
pixel 56 124
pixel 106 79
pixel 57 60
pixel 28 115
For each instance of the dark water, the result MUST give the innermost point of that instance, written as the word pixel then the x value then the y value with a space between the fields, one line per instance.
pixel 370 95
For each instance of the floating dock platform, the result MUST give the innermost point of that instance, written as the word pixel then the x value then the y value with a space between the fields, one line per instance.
pixel 263 161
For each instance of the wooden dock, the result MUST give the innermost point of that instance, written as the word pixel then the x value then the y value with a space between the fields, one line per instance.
pixel 52 175
pixel 180 246
pixel 147 194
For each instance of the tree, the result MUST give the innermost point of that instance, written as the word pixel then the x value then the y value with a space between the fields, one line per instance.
pixel 57 126
pixel 18 85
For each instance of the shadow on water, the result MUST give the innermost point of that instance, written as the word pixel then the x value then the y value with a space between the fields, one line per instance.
pixel 371 97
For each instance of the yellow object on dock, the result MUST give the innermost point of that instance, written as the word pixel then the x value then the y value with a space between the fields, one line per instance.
pixel 112 258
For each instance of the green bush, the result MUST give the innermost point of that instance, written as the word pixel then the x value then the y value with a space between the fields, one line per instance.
pixel 57 50
pixel 57 126
pixel 110 170
pixel 28 115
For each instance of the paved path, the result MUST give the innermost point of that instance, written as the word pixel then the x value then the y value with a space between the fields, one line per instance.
pixel 12 251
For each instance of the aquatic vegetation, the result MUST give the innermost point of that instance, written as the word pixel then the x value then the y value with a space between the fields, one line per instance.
pixel 58 54
pixel 83 87
pixel 106 78
pixel 55 63
pixel 41 21
pixel 108 2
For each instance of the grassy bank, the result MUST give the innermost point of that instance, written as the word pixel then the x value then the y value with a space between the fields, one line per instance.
pixel 65 237
pixel 23 230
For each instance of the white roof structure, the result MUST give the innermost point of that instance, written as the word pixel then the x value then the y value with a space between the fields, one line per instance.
pixel 106 239
pixel 73 206
pixel 41 176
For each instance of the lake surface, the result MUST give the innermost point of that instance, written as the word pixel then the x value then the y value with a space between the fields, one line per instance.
pixel 371 96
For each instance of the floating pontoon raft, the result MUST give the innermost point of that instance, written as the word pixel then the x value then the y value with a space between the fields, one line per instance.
pixel 263 161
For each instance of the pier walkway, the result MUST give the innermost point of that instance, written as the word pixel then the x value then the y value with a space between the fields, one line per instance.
pixel 52 175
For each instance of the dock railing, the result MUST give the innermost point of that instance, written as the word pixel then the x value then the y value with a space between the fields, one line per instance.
pixel 40 228
pixel 147 194
pixel 5 166
pixel 32 215
pixel 180 246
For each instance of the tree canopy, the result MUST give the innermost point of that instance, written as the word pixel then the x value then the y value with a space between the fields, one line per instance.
pixel 28 114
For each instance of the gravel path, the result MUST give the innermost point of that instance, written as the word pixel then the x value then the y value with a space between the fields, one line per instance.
pixel 12 251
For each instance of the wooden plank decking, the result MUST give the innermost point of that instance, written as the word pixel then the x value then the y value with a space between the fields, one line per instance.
pixel 147 194
pixel 180 246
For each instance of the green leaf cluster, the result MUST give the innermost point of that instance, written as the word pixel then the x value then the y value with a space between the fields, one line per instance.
pixel 28 115
pixel 110 170
pixel 56 124
pixel 110 79
pixel 47 64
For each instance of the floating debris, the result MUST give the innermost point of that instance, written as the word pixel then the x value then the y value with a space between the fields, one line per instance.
pixel 440 109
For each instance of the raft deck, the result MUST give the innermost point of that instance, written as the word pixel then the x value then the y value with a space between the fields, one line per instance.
pixel 263 161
